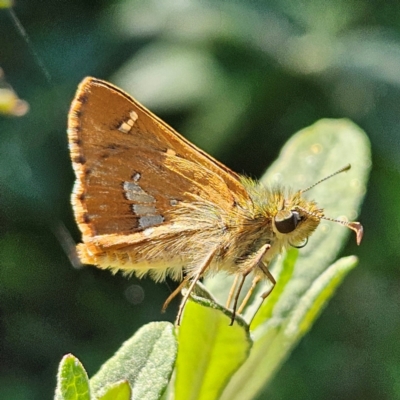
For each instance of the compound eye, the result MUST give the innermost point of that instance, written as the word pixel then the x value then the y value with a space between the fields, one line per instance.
pixel 287 221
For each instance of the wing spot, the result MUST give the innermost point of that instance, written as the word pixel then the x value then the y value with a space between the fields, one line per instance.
pixel 135 193
pixel 173 202
pixel 140 209
pixel 147 221
pixel 136 176
pixel 148 231
pixel 171 152
pixel 80 159
pixel 83 98
pixel 126 126
pixel 134 117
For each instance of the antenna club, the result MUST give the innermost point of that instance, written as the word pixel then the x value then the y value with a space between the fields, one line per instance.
pixel 354 226
pixel 346 168
pixel 358 229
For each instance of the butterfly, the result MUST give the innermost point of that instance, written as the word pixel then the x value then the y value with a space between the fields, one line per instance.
pixel 149 202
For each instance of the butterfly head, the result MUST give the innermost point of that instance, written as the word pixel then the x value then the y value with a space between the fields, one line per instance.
pixel 295 219
pixel 298 217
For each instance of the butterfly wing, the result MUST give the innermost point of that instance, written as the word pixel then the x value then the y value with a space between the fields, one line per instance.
pixel 131 167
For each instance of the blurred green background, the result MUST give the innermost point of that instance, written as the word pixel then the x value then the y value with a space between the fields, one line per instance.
pixel 237 78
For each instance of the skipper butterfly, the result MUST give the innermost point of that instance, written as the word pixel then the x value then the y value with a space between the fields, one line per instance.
pixel 149 202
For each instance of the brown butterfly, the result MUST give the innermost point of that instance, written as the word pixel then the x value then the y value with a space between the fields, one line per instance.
pixel 149 202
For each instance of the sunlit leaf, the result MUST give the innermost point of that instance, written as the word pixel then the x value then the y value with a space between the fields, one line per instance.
pixel 210 351
pixel 72 380
pixel 146 361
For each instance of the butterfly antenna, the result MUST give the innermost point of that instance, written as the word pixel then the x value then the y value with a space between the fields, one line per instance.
pixel 354 226
pixel 344 169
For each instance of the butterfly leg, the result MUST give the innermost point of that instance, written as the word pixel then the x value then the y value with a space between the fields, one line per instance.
pixel 252 263
pixel 232 291
pixel 270 278
pixel 257 279
pixel 249 293
pixel 235 302
pixel 174 293
pixel 267 292
pixel 202 269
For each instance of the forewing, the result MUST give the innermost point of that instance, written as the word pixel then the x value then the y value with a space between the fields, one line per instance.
pixel 131 167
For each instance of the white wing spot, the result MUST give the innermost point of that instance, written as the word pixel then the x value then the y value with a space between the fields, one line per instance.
pixel 143 203
pixel 145 222
pixel 148 231
pixel 140 209
pixel 134 192
pixel 134 116
pixel 126 125
pixel 136 176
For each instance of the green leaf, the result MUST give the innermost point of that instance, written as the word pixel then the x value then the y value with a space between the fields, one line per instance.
pixel 118 391
pixel 146 361
pixel 72 380
pixel 306 284
pixel 313 301
pixel 274 341
pixel 210 351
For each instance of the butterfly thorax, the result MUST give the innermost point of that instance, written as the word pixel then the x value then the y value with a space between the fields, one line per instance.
pixel 240 231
